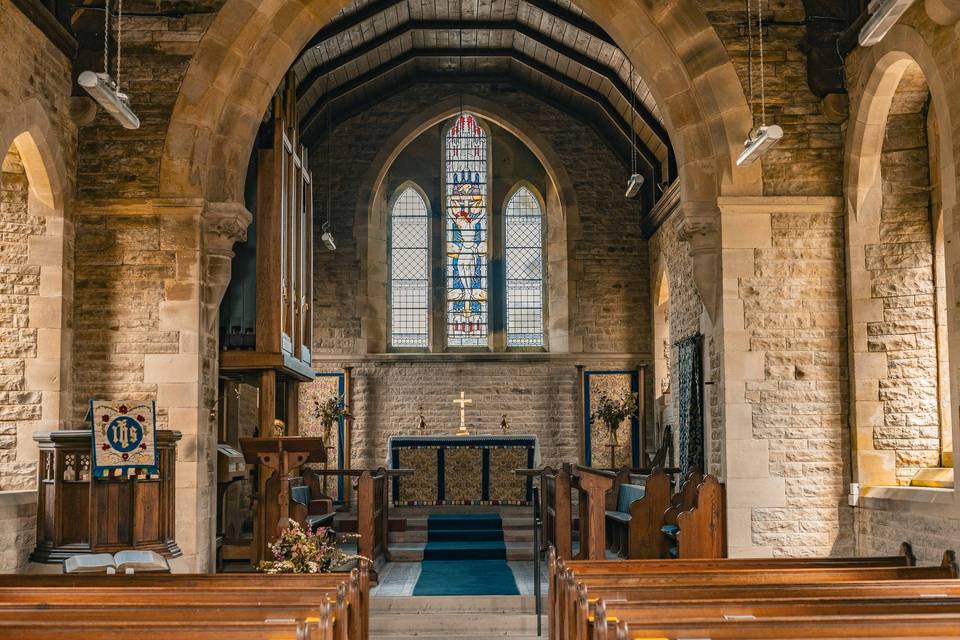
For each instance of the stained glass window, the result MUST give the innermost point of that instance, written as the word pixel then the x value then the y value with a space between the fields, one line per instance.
pixel 523 224
pixel 409 271
pixel 466 232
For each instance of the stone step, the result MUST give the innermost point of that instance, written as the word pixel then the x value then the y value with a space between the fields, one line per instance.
pixel 413 551
pixel 452 624
pixel 448 604
pixel 420 535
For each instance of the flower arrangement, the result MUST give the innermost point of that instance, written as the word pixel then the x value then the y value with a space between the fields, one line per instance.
pixel 299 550
pixel 328 412
pixel 613 411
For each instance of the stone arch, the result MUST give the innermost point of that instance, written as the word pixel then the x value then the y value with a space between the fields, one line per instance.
pixel 560 211
pixel 35 261
pixel 244 54
pixel 884 67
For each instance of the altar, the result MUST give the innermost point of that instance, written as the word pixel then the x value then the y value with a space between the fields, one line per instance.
pixel 463 470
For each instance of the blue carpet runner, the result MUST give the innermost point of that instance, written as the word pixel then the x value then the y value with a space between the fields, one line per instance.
pixel 465 556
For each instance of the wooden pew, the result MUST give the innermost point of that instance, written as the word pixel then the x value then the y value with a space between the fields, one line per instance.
pixel 592 486
pixel 196 599
pixel 635 614
pixel 645 540
pixel 573 583
pixel 886 627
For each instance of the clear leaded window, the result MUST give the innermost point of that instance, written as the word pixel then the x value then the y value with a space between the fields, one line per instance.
pixel 409 271
pixel 523 225
pixel 466 232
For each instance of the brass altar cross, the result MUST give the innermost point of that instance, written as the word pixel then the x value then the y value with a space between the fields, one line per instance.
pixel 463 401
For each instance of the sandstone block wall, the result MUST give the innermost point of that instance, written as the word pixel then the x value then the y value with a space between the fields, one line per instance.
pixel 19 281
pixel 18 529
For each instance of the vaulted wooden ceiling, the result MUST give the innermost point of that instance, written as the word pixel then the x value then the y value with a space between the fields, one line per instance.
pixel 547 47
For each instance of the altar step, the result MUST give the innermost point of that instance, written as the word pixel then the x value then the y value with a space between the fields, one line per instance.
pixel 413 551
pixel 516 530
pixel 461 617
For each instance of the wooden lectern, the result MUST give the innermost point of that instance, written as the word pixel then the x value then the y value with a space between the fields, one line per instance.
pixel 278 458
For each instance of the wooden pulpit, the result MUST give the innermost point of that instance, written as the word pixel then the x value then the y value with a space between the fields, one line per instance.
pixel 278 458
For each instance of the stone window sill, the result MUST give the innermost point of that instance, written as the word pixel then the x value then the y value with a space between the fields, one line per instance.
pixel 927 495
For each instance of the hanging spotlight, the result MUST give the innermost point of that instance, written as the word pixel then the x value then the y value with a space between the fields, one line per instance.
pixel 883 15
pixel 633 185
pixel 760 141
pixel 327 237
pixel 101 88
pixel 757 145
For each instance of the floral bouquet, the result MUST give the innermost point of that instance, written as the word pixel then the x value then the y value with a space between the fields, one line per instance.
pixel 613 411
pixel 300 550
pixel 328 412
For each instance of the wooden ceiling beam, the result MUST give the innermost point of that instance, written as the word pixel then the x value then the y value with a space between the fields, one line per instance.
pixel 329 66
pixel 312 115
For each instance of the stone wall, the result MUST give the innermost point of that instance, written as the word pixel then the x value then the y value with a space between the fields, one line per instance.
pixel 794 313
pixel 902 279
pixel 18 529
pixel 686 316
pixel 19 282
pixel 608 304
pixel 881 530
pixel 806 161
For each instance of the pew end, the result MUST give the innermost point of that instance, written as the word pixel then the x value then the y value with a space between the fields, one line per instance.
pixel 950 562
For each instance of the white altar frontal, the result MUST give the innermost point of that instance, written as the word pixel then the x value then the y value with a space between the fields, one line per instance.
pixel 463 470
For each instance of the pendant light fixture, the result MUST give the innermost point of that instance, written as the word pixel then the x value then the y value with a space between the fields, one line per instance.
pixel 635 182
pixel 327 236
pixel 103 88
pixel 765 136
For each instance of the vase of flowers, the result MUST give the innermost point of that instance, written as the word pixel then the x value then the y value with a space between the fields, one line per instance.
pixel 328 412
pixel 299 550
pixel 613 411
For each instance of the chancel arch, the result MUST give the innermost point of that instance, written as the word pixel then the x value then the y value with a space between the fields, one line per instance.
pixel 901 199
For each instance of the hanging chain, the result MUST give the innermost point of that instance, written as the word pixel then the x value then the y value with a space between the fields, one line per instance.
pixel 750 58
pixel 119 39
pixel 106 36
pixel 763 90
pixel 633 124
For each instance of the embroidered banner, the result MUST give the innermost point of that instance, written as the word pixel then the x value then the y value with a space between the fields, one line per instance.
pixel 124 439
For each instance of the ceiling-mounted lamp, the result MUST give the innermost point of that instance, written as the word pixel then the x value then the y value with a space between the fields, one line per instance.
pixel 883 15
pixel 327 237
pixel 759 143
pixel 101 87
pixel 765 136
pixel 633 185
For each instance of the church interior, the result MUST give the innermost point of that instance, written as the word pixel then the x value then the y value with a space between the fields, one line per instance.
pixel 584 319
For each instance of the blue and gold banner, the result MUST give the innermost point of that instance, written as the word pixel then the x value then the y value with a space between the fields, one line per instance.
pixel 124 439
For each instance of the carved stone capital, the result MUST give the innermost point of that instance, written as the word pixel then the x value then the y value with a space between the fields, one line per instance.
pixel 225 224
pixel 83 110
pixel 702 233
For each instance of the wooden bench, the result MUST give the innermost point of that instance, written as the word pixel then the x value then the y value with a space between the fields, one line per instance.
pixel 321 607
pixel 618 514
pixel 637 614
pixel 576 586
pixel 645 540
pixel 880 627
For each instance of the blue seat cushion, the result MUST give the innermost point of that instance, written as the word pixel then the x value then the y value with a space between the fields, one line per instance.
pixel 619 516
pixel 629 493
pixel 300 494
pixel 670 529
pixel 674 552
